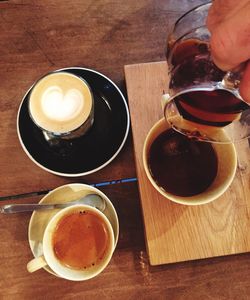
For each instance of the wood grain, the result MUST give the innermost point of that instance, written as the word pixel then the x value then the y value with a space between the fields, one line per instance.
pixel 43 35
pixel 129 275
pixel 175 232
pixel 40 36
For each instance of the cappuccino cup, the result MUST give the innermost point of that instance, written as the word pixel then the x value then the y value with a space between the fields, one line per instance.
pixel 187 171
pixel 78 243
pixel 61 105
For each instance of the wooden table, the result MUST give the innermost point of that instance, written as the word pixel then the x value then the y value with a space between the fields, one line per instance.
pixel 40 36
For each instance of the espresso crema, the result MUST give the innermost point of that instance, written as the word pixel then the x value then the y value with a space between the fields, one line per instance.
pixel 60 102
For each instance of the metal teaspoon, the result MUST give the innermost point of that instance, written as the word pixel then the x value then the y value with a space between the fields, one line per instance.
pixel 91 199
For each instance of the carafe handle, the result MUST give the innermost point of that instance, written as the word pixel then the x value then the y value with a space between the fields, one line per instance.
pixel 232 78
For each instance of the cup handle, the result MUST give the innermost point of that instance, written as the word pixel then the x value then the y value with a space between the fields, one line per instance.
pixel 36 264
pixel 232 78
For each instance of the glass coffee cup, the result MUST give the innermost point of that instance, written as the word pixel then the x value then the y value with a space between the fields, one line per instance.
pixel 61 105
pixel 202 100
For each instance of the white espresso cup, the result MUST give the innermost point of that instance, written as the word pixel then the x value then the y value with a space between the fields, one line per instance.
pixel 78 243
pixel 226 168
pixel 61 105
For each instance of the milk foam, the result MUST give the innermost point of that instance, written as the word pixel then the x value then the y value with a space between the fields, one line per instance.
pixel 61 106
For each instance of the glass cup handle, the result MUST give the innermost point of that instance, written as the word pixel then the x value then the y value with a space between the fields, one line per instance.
pixel 232 78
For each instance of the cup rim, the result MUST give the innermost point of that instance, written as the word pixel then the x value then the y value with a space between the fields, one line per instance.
pixel 64 133
pixel 180 199
pixel 52 224
pixel 208 4
pixel 179 20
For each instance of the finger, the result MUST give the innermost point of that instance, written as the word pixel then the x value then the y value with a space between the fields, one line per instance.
pixel 230 40
pixel 245 84
pixel 221 10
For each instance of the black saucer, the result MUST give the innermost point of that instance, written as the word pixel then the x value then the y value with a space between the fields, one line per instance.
pixel 98 147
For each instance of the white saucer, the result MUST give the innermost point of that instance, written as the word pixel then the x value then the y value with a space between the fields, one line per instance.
pixel 65 193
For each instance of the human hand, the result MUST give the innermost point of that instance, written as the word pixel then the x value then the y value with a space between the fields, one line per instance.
pixel 229 25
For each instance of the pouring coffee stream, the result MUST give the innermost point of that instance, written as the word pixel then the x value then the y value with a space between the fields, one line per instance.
pixel 93 200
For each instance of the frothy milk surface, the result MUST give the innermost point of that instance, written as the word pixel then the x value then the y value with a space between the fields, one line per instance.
pixel 60 102
pixel 59 106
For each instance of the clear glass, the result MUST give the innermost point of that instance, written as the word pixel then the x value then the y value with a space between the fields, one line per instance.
pixel 202 100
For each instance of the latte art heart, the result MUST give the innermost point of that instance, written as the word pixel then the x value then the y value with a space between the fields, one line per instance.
pixel 61 106
pixel 62 103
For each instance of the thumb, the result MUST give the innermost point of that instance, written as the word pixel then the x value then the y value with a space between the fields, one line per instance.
pixel 245 84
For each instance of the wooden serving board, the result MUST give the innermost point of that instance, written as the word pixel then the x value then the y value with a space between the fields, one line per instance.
pixel 176 232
